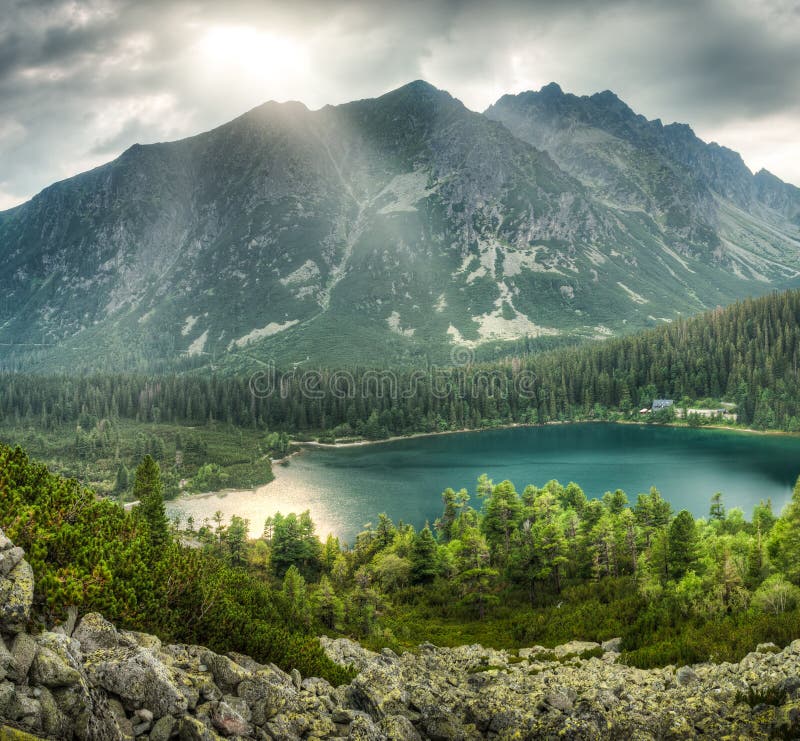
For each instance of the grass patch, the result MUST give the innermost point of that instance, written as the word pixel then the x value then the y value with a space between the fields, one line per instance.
pixel 774 695
pixel 92 453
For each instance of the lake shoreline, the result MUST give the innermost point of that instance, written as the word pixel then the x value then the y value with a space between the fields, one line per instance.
pixel 344 489
pixel 305 446
pixel 517 425
pixel 222 493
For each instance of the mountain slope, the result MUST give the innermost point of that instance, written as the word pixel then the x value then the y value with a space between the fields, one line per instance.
pixel 92 679
pixel 383 230
pixel 702 196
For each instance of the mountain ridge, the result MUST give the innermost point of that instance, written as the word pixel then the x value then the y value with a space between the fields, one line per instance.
pixel 394 227
pixel 676 140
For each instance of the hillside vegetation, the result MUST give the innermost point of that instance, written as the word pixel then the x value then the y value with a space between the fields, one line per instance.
pixel 88 679
pixel 540 567
pixel 91 427
pixel 89 553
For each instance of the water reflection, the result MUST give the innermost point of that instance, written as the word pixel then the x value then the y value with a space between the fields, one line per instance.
pixel 346 487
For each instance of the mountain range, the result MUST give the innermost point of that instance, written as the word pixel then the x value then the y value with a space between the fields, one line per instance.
pixel 388 230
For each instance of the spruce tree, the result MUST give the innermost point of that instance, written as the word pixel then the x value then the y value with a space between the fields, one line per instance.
pixel 682 544
pixel 717 509
pixel 423 557
pixel 236 540
pixel 148 490
pixel 328 608
pixel 784 540
pixel 502 515
pixel 475 576
pixel 122 482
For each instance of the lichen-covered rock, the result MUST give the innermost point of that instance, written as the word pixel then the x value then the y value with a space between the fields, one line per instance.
pixel 162 728
pixel 9 559
pixel 16 598
pixel 281 727
pixel 6 659
pixel 49 670
pixel 561 698
pixel 380 690
pixel 227 673
pixel 117 712
pixel 526 653
pixel 363 729
pixel 6 695
pixel 23 651
pixel 685 675
pixel 398 728
pixel 192 729
pixel 7 733
pixel 95 632
pixel 143 640
pixel 54 665
pixel 316 686
pixel 228 721
pixel 266 694
pixel 55 723
pixel 346 652
pixel 137 677
pixel 25 709
pixel 575 648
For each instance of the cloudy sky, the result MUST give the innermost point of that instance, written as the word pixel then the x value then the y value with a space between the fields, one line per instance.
pixel 82 81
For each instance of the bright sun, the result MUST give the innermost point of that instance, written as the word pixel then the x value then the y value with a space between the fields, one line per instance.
pixel 251 53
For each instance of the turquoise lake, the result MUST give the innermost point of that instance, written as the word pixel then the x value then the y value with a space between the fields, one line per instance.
pixel 347 487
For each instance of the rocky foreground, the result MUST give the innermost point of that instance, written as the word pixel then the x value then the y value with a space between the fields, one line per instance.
pixel 88 680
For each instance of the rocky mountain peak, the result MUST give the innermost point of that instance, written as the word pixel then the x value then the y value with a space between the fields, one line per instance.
pixel 551 90
pixel 409 219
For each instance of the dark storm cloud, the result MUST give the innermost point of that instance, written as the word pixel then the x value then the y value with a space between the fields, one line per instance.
pixel 81 81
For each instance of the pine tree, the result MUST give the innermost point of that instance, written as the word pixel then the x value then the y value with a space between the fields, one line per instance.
pixel 502 515
pixel 717 509
pixel 123 479
pixel 236 540
pixel 293 592
pixel 682 541
pixel 384 532
pixel 475 576
pixel 328 608
pixel 424 565
pixel 784 540
pixel 148 490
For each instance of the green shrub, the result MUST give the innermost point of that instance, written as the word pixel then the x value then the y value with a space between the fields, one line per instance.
pixel 89 553
pixel 774 695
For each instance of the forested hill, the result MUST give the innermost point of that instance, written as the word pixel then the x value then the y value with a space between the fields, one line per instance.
pixel 746 353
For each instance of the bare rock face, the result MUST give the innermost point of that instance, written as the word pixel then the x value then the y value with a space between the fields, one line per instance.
pixel 138 678
pixel 97 683
pixel 408 217
pixel 16 587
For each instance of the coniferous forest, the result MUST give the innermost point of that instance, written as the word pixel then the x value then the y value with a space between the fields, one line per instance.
pixel 746 353
pixel 217 432
pixel 500 567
